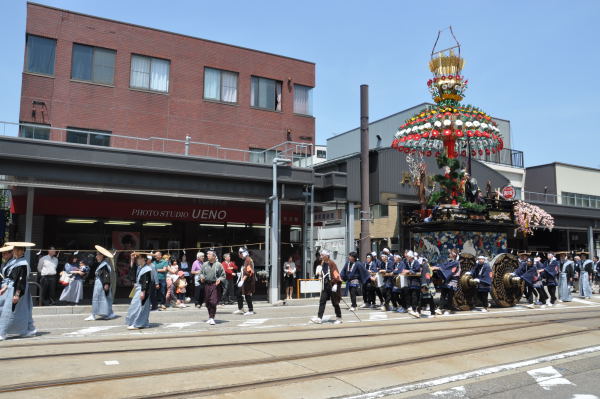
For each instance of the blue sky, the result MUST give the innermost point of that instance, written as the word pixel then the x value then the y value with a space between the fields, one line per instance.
pixel 532 62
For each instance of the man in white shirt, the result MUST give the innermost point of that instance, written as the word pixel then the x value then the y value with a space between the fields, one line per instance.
pixel 47 269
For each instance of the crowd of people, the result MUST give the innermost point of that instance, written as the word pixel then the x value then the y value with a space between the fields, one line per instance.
pixel 408 283
pixel 403 283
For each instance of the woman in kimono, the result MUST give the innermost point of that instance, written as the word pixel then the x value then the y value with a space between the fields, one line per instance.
pixel 566 274
pixel 74 291
pixel 102 298
pixel 139 310
pixel 16 305
pixel 585 277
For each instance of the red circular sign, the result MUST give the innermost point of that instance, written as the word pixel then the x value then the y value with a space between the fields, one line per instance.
pixel 508 192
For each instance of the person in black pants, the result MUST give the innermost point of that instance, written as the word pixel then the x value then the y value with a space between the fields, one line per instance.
pixel 354 274
pixel 450 271
pixel 47 268
pixel 331 285
pixel 412 268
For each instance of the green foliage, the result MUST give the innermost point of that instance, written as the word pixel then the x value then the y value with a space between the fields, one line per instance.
pixel 471 206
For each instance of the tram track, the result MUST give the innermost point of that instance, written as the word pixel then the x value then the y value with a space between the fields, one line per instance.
pixel 324 327
pixel 32 386
pixel 502 327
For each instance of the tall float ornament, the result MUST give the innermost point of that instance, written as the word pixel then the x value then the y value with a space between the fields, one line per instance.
pixel 449 127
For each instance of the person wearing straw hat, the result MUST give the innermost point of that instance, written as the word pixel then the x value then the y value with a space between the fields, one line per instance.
pixel 16 306
pixel 586 275
pixel 102 298
pixel 7 254
pixel 138 313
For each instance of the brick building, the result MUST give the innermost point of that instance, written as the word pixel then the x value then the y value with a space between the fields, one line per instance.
pixel 86 73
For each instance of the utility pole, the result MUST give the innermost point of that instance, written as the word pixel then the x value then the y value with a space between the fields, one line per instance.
pixel 365 213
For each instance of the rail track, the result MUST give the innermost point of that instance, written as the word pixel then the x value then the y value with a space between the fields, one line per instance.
pixel 397 343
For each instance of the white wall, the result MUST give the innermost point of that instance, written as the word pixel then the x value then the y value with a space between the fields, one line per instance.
pixel 577 180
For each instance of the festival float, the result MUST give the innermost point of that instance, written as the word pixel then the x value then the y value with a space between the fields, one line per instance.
pixel 455 213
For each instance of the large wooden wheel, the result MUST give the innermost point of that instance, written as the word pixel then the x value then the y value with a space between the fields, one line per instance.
pixel 463 297
pixel 506 291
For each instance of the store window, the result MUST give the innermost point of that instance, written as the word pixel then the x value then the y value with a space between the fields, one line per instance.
pixel 40 54
pixel 220 85
pixel 88 136
pixel 35 131
pixel 93 64
pixel 149 73
pixel 580 200
pixel 265 93
pixel 302 100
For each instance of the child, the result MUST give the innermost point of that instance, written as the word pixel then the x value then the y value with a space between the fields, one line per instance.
pixel 172 277
pixel 180 285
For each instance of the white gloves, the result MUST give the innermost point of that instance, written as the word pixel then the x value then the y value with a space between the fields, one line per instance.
pixel 241 283
pixel 517 278
pixel 476 280
pixel 334 288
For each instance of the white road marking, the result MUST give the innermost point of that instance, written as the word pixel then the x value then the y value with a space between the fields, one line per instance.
pixel 252 322
pixel 578 300
pixel 91 330
pixel 584 396
pixel 548 377
pixel 456 392
pixel 473 374
pixel 111 362
pixel 377 316
pixel 181 325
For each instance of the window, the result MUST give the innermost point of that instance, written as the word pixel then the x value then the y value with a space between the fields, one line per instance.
pixel 93 64
pixel 40 55
pixel 149 73
pixel 302 100
pixel 321 154
pixel 581 200
pixel 220 85
pixel 88 136
pixel 35 131
pixel 265 93
pixel 379 211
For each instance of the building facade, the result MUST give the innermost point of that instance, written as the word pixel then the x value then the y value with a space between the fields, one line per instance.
pixel 131 137
pixel 571 194
pixel 99 79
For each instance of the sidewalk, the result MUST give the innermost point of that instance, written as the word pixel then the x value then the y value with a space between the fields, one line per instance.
pixel 122 307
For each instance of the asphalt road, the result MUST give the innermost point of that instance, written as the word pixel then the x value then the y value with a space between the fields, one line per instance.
pixel 277 353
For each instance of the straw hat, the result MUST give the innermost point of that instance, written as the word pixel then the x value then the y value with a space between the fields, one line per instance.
pixel 103 251
pixel 20 244
pixel 6 248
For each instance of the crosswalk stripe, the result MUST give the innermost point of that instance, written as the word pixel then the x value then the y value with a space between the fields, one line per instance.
pixel 378 316
pixel 252 322
pixel 583 301
pixel 456 392
pixel 548 377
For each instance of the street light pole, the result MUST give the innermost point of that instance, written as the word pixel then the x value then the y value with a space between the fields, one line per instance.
pixel 274 241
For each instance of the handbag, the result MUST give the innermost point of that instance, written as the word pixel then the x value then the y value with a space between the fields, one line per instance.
pixel 65 278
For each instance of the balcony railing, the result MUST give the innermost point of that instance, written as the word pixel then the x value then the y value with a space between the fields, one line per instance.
pixel 299 153
pixel 566 200
pixel 506 156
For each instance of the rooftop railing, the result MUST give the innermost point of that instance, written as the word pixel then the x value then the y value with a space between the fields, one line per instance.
pixel 299 153
pixel 574 200
pixel 506 156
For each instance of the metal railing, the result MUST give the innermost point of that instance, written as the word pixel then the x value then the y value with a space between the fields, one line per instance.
pixel 558 199
pixel 299 153
pixel 506 156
